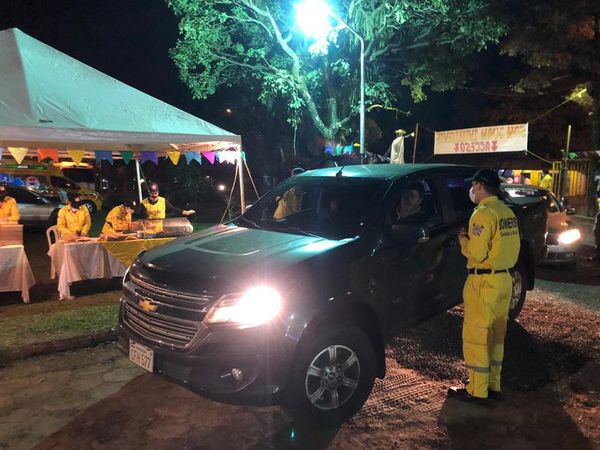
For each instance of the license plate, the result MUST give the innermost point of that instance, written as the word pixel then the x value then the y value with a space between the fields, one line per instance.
pixel 141 355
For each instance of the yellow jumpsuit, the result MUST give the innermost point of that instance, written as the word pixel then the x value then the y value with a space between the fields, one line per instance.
pixel 72 223
pixel 546 182
pixel 154 212
pixel 290 203
pixel 493 243
pixel 9 209
pixel 117 220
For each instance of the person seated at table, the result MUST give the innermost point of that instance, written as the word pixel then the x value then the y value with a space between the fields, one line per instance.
pixel 9 212
pixel 74 219
pixel 157 207
pixel 119 219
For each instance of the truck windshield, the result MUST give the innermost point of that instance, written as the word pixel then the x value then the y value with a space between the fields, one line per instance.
pixel 334 208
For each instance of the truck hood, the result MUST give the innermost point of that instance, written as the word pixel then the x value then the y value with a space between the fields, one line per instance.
pixel 229 253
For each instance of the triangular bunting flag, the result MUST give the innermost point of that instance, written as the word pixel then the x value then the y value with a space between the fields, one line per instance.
pixel 193 156
pixel 348 149
pixel 18 153
pixel 243 156
pixel 227 157
pixel 174 156
pixel 210 156
pixel 338 150
pixel 150 156
pixel 76 155
pixel 329 150
pixel 43 153
pixel 126 155
pixel 100 155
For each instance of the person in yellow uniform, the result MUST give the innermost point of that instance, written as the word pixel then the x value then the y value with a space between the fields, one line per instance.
pixel 157 207
pixel 547 180
pixel 9 212
pixel 491 247
pixel 74 219
pixel 119 219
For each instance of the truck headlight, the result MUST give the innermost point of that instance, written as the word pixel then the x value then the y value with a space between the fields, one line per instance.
pixel 254 307
pixel 569 236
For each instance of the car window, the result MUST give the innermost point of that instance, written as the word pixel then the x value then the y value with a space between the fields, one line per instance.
pixel 415 200
pixel 525 194
pixel 22 196
pixel 63 183
pixel 333 208
pixel 458 189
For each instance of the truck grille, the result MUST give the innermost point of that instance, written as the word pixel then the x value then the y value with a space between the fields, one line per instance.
pixel 176 317
pixel 158 328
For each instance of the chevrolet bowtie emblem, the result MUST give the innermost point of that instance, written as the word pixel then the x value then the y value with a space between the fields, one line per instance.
pixel 147 305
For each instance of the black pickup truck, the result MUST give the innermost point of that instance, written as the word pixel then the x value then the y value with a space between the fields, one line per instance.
pixel 299 294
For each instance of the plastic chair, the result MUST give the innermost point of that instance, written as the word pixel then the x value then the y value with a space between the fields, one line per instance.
pixel 53 235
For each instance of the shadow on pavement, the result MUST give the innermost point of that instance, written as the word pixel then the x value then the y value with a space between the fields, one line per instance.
pixel 154 413
pixel 526 420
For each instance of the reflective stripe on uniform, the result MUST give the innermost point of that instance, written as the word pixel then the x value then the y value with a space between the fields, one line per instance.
pixel 495 363
pixel 478 369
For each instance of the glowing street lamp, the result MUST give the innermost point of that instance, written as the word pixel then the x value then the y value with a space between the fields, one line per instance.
pixel 313 18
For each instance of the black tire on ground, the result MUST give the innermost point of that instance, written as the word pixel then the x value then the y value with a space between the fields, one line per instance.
pixel 91 206
pixel 519 289
pixel 333 374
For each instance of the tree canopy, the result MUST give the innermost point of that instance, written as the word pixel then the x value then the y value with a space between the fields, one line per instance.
pixel 560 44
pixel 256 46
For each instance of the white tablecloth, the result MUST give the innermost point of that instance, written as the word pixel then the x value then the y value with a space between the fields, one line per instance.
pixel 76 261
pixel 15 271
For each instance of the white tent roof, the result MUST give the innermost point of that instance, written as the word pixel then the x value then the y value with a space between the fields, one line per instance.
pixel 48 99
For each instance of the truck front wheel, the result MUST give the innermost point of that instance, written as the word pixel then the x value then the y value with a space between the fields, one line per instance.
pixel 333 374
pixel 519 289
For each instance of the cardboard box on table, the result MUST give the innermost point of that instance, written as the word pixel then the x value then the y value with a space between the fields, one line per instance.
pixel 11 234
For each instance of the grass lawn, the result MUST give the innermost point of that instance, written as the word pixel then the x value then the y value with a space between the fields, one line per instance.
pixel 22 324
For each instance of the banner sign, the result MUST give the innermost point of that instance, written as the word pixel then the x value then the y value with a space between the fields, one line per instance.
pixel 503 138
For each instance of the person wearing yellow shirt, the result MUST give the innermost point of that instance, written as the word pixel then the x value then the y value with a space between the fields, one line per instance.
pixel 74 219
pixel 9 212
pixel 157 207
pixel 547 180
pixel 119 219
pixel 491 246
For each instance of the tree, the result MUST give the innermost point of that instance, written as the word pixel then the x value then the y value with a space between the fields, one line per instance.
pixel 560 43
pixel 253 44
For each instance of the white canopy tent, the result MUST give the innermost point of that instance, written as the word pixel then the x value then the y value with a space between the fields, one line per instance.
pixel 48 99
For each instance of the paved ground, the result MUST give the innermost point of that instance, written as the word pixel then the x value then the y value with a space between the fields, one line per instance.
pixel 95 399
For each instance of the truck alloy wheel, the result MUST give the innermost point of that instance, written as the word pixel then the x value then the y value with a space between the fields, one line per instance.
pixel 519 290
pixel 332 377
pixel 333 374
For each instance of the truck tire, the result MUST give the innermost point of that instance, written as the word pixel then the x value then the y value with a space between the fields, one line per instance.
pixel 333 374
pixel 519 289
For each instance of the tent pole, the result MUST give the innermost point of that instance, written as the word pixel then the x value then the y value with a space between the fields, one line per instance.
pixel 139 180
pixel 240 166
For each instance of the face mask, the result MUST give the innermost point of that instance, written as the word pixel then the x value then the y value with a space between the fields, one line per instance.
pixel 472 195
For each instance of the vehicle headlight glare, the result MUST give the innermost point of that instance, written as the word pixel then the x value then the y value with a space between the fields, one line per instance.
pixel 254 307
pixel 569 236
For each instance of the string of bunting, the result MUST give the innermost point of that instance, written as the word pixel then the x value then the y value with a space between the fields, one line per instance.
pixel 77 155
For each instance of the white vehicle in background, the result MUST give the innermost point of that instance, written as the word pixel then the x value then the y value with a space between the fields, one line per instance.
pixel 563 239
pixel 34 209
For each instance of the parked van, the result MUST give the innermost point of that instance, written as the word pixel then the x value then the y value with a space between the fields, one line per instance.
pixel 45 180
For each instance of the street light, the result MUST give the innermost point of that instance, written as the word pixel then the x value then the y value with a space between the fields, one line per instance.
pixel 312 17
